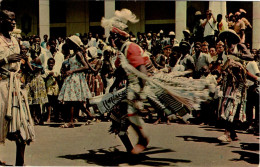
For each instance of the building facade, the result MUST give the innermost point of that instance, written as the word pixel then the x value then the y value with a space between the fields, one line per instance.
pixel 67 17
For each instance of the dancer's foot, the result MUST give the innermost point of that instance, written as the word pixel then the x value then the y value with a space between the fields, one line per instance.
pixel 168 122
pixel 138 149
pixel 141 146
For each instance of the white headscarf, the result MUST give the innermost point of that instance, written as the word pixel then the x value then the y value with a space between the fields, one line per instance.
pixel 92 51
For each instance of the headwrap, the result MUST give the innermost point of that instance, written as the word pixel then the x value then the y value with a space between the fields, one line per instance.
pixel 92 51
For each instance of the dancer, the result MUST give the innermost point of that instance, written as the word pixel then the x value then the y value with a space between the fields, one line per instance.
pixel 131 56
pixel 15 120
pixel 233 86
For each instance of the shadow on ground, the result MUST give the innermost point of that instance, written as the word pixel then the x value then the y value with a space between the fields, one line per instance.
pixel 203 139
pixel 58 125
pixel 113 157
pixel 250 157
pixel 250 146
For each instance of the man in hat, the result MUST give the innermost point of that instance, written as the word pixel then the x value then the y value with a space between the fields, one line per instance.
pixel 130 58
pixel 162 60
pixel 171 40
pixel 198 29
pixel 149 41
pixel 187 37
pixel 186 61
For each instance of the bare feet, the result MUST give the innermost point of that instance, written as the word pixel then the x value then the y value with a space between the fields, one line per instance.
pixel 140 147
pixel 157 122
pixel 2 163
pixel 48 121
pixel 67 125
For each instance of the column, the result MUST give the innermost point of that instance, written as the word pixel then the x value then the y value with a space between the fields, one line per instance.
pixel 180 18
pixel 218 7
pixel 109 12
pixel 44 18
pixel 256 25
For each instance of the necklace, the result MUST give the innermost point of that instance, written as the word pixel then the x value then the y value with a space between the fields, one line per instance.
pixel 9 46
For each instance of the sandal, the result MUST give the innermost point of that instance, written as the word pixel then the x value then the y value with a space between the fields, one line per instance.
pixel 224 138
pixel 67 125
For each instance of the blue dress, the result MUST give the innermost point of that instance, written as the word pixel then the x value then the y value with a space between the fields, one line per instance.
pixel 75 87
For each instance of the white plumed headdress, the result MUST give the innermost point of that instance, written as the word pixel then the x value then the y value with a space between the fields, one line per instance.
pixel 118 23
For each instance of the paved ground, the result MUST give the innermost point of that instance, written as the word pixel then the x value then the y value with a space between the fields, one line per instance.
pixel 170 145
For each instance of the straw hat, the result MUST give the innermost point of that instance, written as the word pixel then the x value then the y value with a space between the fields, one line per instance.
pixel 171 33
pixel 184 44
pixel 197 13
pixel 237 13
pixel 75 39
pixel 242 11
pixel 186 31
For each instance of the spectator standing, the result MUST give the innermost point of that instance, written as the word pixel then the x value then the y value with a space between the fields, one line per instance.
pixel 205 47
pixel 200 59
pixel 213 53
pixel 44 42
pixel 75 90
pixel 239 27
pixel 209 25
pixel 10 63
pixel 222 25
pixel 52 88
pixel 93 77
pixel 198 29
pixel 186 61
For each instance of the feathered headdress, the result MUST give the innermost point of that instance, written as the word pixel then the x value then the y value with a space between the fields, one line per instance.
pixel 118 23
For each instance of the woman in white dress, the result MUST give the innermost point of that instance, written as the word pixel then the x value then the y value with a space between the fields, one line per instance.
pixel 15 120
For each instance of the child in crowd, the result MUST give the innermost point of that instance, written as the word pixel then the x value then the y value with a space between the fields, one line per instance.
pixel 37 95
pixel 52 87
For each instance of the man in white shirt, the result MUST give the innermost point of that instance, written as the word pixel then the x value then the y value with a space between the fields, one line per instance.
pixel 222 24
pixel 201 59
pixel 52 52
pixel 209 25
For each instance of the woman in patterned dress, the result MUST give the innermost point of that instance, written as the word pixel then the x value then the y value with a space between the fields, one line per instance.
pixel 75 90
pixel 94 79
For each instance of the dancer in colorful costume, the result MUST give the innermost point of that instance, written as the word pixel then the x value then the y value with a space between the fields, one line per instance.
pixel 135 93
pixel 162 89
